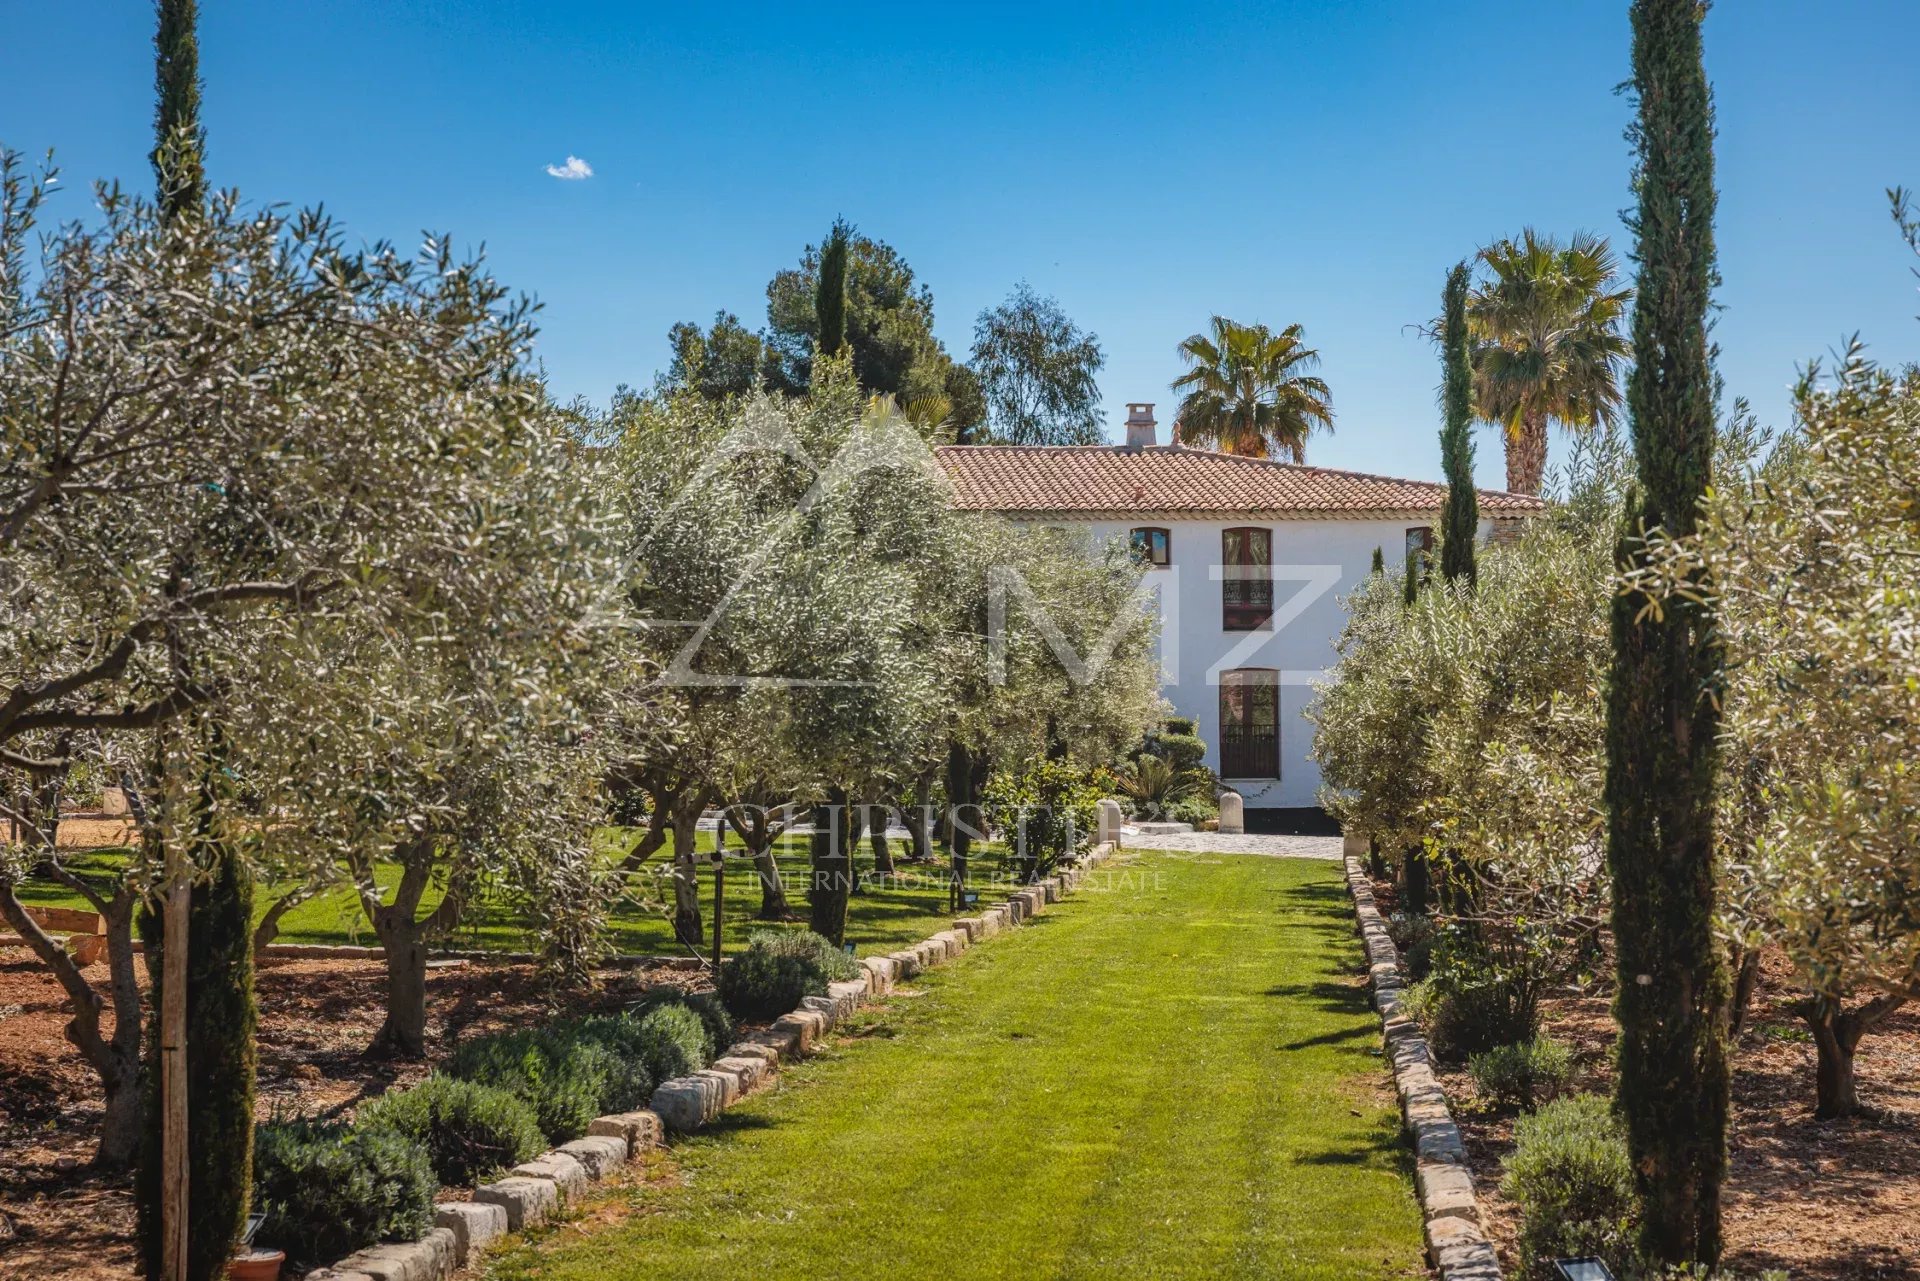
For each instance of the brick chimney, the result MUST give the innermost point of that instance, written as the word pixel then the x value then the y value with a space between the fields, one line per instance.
pixel 1140 427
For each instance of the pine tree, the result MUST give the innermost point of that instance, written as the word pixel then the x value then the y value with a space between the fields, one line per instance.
pixel 1672 1089
pixel 830 294
pixel 179 143
pixel 1460 522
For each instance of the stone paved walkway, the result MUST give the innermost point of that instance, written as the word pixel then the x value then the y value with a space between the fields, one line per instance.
pixel 1327 847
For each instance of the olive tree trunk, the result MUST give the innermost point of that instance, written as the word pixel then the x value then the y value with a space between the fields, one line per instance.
pixel 688 928
pixel 830 854
pixel 405 935
pixel 1837 1032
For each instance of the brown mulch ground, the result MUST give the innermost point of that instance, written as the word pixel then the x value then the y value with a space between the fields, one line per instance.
pixel 1824 1200
pixel 60 1220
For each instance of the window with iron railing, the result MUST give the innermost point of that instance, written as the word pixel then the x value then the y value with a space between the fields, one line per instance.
pixel 1250 723
pixel 1246 588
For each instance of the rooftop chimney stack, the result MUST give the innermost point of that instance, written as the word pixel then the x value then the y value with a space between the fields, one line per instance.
pixel 1140 427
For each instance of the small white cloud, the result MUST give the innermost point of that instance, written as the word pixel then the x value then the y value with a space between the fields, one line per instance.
pixel 574 170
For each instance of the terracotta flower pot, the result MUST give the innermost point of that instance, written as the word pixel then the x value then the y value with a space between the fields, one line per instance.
pixel 256 1265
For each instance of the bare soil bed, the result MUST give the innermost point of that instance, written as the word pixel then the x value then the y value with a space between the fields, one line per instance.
pixel 1824 1200
pixel 58 1219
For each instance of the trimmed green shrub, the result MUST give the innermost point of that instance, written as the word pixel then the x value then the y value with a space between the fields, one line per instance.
pixel 467 1129
pixel 706 1006
pixel 328 1189
pixel 778 968
pixel 1524 1074
pixel 671 1041
pixel 1482 998
pixel 562 1077
pixel 1573 1181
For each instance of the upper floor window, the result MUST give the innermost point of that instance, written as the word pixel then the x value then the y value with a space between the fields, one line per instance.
pixel 1420 544
pixel 1246 590
pixel 1151 546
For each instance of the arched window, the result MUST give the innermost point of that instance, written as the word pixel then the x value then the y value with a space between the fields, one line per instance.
pixel 1151 546
pixel 1246 589
pixel 1250 723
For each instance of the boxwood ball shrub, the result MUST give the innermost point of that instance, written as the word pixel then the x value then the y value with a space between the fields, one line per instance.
pixel 329 1189
pixel 467 1129
pixel 1573 1181
pixel 1524 1074
pixel 777 969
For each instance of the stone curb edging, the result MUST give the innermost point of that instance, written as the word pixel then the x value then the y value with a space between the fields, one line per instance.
pixel 1457 1244
pixel 535 1191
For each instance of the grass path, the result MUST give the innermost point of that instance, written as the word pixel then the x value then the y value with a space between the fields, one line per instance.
pixel 1172 1074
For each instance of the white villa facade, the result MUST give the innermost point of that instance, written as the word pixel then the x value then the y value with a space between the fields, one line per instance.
pixel 1251 559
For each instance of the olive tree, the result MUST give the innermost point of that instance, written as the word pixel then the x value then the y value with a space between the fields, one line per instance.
pixel 212 426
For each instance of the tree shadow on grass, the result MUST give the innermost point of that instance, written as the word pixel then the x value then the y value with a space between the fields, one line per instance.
pixel 1382 1146
pixel 1336 1037
pixel 1326 994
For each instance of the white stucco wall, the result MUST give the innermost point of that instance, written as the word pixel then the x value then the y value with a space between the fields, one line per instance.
pixel 1316 563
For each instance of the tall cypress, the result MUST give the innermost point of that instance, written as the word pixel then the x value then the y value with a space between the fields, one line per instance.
pixel 1672 1086
pixel 1379 560
pixel 179 143
pixel 1460 522
pixel 221 1014
pixel 830 291
pixel 1410 589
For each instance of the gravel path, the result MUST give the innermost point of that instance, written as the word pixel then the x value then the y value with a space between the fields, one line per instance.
pixel 1327 847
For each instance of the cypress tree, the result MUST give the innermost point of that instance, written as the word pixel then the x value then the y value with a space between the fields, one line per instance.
pixel 1412 589
pixel 179 143
pixel 220 1074
pixel 1379 561
pixel 219 999
pixel 1460 522
pixel 830 291
pixel 1672 1087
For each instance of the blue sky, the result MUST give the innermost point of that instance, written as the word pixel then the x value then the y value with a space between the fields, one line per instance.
pixel 1147 164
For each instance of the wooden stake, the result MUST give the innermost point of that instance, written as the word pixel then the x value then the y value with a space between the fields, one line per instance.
pixel 173 1077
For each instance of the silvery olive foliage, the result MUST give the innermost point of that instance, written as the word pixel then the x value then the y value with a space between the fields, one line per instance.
pixel 1468 724
pixel 1814 563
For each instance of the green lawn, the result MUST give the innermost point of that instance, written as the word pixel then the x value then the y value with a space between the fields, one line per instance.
pixel 881 917
pixel 1172 1074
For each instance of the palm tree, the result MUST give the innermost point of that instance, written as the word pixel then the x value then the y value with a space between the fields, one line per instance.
pixel 1248 391
pixel 1548 345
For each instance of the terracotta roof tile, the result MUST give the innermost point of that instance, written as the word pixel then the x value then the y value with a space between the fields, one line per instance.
pixel 1095 481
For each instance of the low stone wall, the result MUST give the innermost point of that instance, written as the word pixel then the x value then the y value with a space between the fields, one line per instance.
pixel 1457 1245
pixel 536 1191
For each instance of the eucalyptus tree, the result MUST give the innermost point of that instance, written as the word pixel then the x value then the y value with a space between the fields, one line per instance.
pixel 317 406
pixel 1251 391
pixel 1037 370
pixel 1548 346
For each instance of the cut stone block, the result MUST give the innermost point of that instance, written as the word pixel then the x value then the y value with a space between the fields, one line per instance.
pixel 990 923
pixel 686 1103
pixel 824 1006
pixel 810 1025
pixel 1458 1244
pixel 782 1040
pixel 748 1073
pixel 335 1274
pixel 567 1175
pixel 1107 818
pixel 474 1225
pixel 640 1130
pixel 754 1050
pixel 428 1259
pixel 1233 817
pixel 907 963
pixel 528 1202
pixel 881 972
pixel 598 1153
pixel 1446 1191
pixel 847 995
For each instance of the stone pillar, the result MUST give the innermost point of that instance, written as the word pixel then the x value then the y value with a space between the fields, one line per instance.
pixel 1109 815
pixel 1233 819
